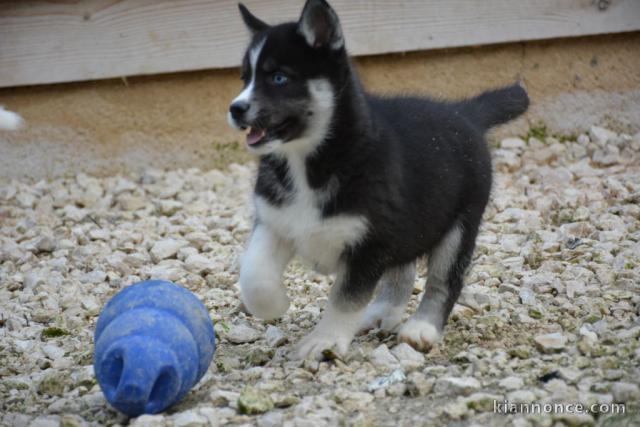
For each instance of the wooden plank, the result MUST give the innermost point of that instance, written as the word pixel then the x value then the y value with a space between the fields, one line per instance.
pixel 71 40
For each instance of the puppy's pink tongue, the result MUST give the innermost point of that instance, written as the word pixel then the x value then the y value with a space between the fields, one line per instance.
pixel 254 136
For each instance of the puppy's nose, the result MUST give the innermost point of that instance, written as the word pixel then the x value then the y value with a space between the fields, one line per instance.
pixel 238 108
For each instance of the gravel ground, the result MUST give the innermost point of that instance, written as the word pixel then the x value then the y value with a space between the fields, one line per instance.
pixel 549 313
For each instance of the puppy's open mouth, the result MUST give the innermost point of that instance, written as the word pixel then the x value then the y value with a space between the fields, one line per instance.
pixel 258 136
pixel 255 136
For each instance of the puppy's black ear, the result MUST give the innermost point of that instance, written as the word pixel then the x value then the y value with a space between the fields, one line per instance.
pixel 319 25
pixel 254 24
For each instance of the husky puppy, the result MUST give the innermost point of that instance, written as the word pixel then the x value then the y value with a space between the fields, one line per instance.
pixel 358 185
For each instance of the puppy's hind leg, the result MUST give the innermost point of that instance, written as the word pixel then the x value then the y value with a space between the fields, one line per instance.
pixel 446 267
pixel 394 291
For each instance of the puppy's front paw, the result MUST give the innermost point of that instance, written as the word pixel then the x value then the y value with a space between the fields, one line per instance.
pixel 419 333
pixel 264 301
pixel 317 341
pixel 381 316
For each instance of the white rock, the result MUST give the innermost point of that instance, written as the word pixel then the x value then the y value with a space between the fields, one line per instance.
pixel 186 252
pixel 419 384
pixel 197 263
pixel 556 387
pixel 83 373
pixel 14 419
pixel 131 203
pixel 550 343
pixel 121 185
pixel 588 333
pixel 94 399
pixel 569 374
pixel 169 207
pixel 167 270
pixel 608 156
pixel 189 419
pixel 75 214
pixel 601 327
pixel 512 143
pixel 95 276
pixel 383 382
pixel 396 390
pixel 456 410
pixel 506 160
pixel 271 419
pixel 508 287
pixel 46 421
pixel 601 136
pixel 59 264
pixel 26 200
pixel 584 169
pixel 629 334
pixel 625 392
pixel 575 288
pixel 99 234
pixel 512 243
pixel 517 215
pixel 148 421
pixel 557 178
pixel 166 248
pixel 382 357
pixel 8 191
pixel 53 352
pixel 450 386
pixel 545 154
pixel 33 279
pixel 198 239
pixel 45 243
pixel 540 283
pixel 215 417
pixel 221 398
pixel 521 396
pixel 482 402
pixel 170 189
pixel 511 383
pixel 91 305
pixel 527 297
pixel 274 336
pixel 240 334
pixel 583 139
pixel 136 260
pixel 44 315
pixel 408 356
pixel 514 263
pixel 574 419
pixel 353 399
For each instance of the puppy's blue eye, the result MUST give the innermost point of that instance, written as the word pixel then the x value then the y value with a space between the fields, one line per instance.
pixel 279 79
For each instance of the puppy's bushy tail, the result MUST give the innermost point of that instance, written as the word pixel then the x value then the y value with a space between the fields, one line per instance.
pixel 495 107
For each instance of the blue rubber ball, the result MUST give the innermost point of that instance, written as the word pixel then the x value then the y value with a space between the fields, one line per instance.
pixel 153 342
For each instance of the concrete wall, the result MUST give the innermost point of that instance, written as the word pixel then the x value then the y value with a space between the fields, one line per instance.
pixel 179 120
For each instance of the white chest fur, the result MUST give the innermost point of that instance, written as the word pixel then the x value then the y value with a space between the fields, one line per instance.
pixel 318 241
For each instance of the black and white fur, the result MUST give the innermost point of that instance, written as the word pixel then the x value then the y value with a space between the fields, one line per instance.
pixel 358 185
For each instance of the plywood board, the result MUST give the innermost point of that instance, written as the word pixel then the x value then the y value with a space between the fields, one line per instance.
pixel 67 40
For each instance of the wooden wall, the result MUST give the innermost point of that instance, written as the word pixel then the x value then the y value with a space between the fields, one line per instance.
pixel 71 40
